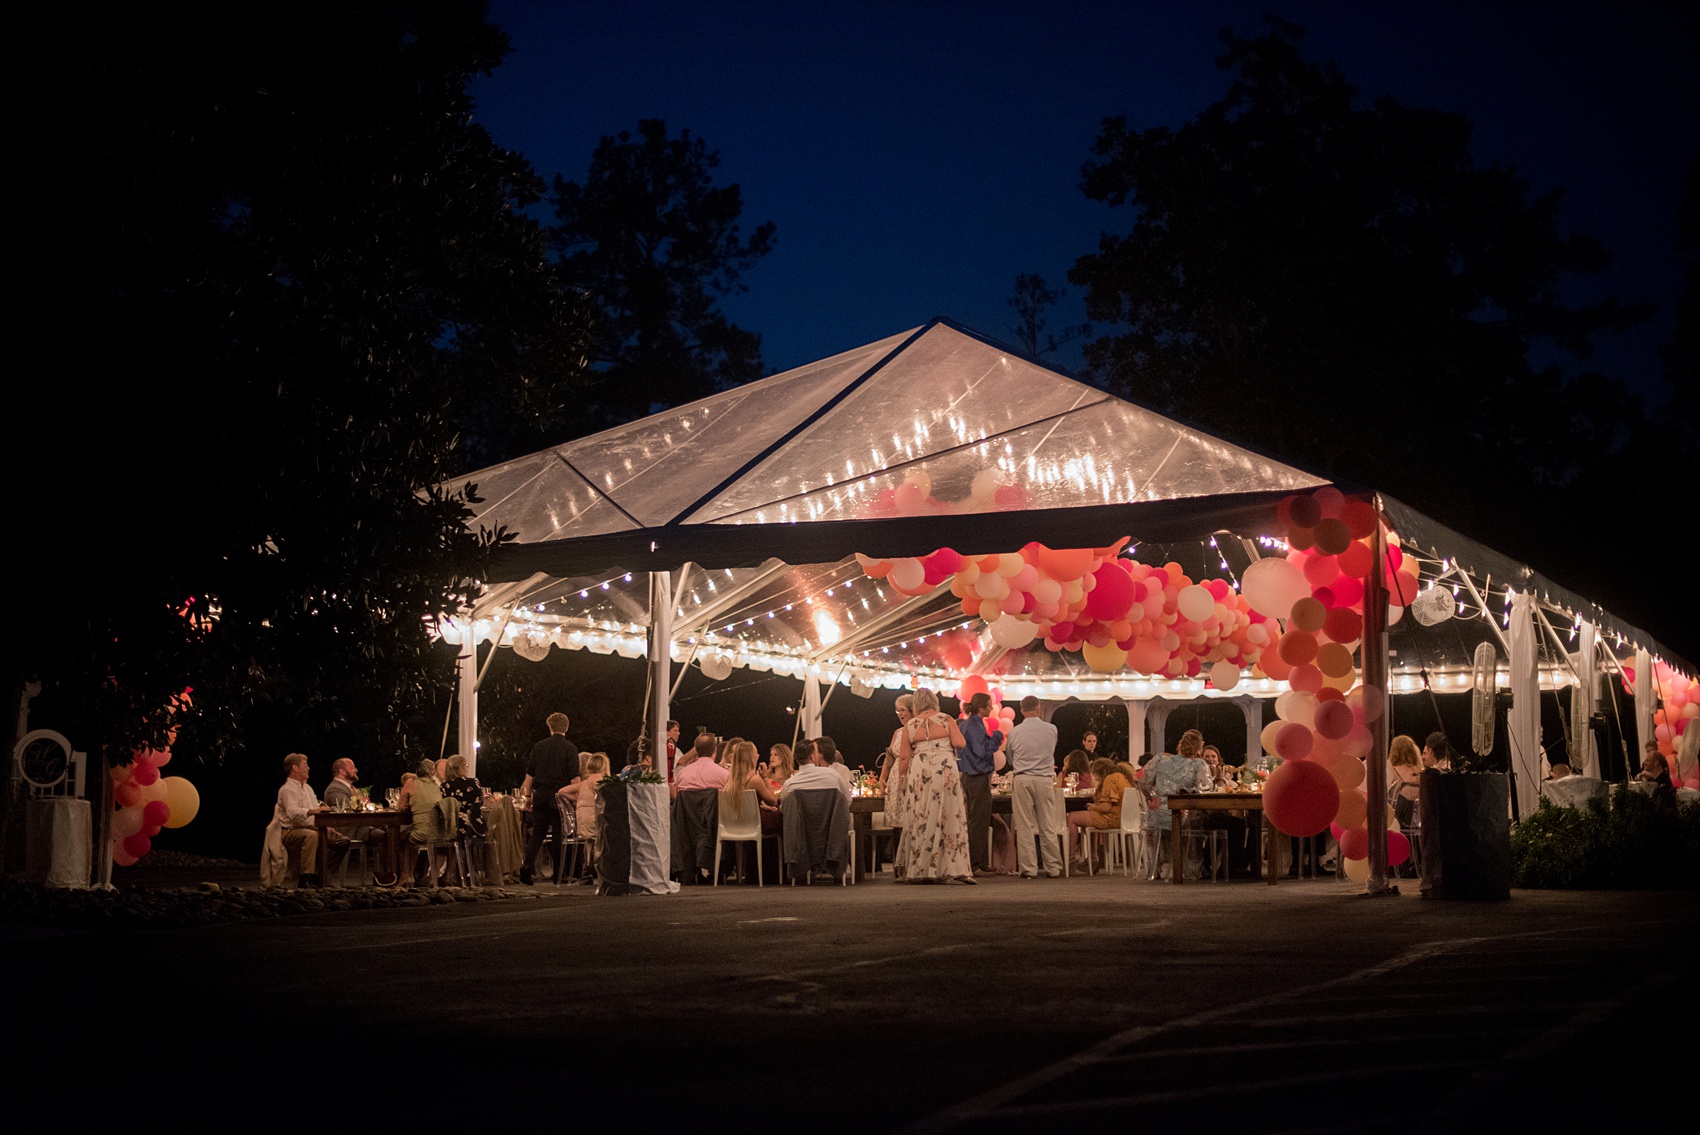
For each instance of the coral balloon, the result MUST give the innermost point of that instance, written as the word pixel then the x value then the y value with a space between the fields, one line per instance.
pixel 1273 586
pixel 1297 648
pixel 1320 571
pixel 1354 841
pixel 1352 810
pixel 1348 772
pixel 971 685
pixel 183 799
pixel 1355 561
pixel 127 793
pixel 1274 665
pixel 1306 679
pixel 1063 563
pixel 1293 742
pixel 1300 798
pixel 1360 518
pixel 1147 655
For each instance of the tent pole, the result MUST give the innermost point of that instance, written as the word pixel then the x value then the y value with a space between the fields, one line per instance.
pixel 660 667
pixel 1523 728
pixel 1375 677
pixel 467 735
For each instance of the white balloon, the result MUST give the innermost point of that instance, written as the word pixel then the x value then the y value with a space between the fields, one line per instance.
pixel 1195 603
pixel 126 822
pixel 1013 633
pixel 1273 586
pixel 1297 706
pixel 908 574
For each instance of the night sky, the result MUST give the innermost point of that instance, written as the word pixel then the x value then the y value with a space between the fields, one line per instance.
pixel 916 157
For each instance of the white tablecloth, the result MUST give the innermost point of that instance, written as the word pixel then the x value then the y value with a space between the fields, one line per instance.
pixel 1573 791
pixel 58 841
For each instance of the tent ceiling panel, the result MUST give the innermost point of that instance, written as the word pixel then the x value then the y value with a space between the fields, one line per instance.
pixel 546 499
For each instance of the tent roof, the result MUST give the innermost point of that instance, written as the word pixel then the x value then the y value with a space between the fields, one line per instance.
pixel 758 498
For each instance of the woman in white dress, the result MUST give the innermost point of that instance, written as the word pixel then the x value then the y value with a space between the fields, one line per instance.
pixel 934 844
pixel 893 779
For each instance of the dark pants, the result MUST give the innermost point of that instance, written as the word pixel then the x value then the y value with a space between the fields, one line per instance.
pixel 545 817
pixel 977 789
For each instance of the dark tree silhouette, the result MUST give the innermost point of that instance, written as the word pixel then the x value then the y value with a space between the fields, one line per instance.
pixel 1031 299
pixel 1346 287
pixel 299 276
pixel 654 244
pixel 1682 353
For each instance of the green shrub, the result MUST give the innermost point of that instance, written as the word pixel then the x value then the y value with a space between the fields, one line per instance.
pixel 1629 842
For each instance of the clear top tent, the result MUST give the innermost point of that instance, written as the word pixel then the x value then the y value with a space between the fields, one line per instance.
pixel 756 501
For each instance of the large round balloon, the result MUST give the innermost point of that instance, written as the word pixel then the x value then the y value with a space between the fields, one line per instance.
pixel 1354 843
pixel 1272 587
pixel 1112 593
pixel 1293 741
pixel 183 799
pixel 1195 603
pixel 1333 719
pixel 1106 659
pixel 1300 798
pixel 1224 675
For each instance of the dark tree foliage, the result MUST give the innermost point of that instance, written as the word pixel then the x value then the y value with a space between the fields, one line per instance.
pixel 298 273
pixel 654 244
pixel 1344 286
pixel 1682 353
pixel 1031 299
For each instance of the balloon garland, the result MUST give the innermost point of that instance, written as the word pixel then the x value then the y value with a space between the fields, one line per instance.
pixel 144 802
pixel 1681 697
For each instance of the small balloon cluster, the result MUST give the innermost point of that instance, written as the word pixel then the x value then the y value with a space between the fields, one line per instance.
pixel 1321 731
pixel 1003 719
pixel 1115 612
pixel 145 802
pixel 1681 697
pixel 914 497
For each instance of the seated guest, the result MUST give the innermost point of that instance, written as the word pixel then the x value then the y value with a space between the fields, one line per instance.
pixel 1213 758
pixel 340 790
pixel 697 768
pixel 1437 752
pixel 1404 773
pixel 582 792
pixel 467 792
pixel 780 765
pixel 743 776
pixel 1655 770
pixel 420 796
pixel 817 773
pixel 292 842
pixel 1078 764
pixel 1169 773
pixel 827 750
pixel 1105 811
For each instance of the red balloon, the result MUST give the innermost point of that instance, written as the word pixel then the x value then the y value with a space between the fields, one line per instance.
pixel 1355 560
pixel 1348 591
pixel 138 845
pixel 1343 625
pixel 143 773
pixel 1300 798
pixel 1354 843
pixel 155 812
pixel 1398 848
pixel 1274 665
pixel 1360 518
pixel 1113 595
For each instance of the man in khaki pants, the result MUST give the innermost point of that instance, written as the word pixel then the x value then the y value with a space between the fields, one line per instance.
pixel 1032 751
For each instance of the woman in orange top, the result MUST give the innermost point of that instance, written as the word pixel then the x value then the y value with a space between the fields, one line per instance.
pixel 1105 811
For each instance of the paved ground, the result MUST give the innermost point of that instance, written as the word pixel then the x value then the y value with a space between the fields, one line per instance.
pixel 1087 1004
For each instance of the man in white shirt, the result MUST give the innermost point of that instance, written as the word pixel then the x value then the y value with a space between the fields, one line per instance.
pixel 1032 752
pixel 296 803
pixel 817 773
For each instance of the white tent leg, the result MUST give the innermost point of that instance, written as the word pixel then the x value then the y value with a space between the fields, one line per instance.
pixel 660 665
pixel 1135 730
pixel 466 736
pixel 1643 709
pixel 1524 726
pixel 1253 710
pixel 810 720
pixel 1584 758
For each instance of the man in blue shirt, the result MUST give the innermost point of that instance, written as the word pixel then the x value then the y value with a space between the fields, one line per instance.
pixel 976 762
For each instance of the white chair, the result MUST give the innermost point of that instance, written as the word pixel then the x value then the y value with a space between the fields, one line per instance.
pixel 1133 848
pixel 739 822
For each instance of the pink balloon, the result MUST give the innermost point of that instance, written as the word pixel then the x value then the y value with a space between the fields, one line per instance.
pixel 127 793
pixel 1306 678
pixel 155 812
pixel 1300 798
pixel 1354 843
pixel 1333 719
pixel 143 773
pixel 158 758
pixel 1293 743
pixel 138 845
pixel 121 857
pixel 1398 848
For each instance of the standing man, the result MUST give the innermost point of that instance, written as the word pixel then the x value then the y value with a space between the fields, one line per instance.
pixel 1038 810
pixel 976 761
pixel 296 803
pixel 553 764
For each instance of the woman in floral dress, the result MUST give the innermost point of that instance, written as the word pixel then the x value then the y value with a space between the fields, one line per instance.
pixel 934 844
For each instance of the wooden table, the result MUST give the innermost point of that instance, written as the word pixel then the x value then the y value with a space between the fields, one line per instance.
pixel 392 822
pixel 864 808
pixel 1183 802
